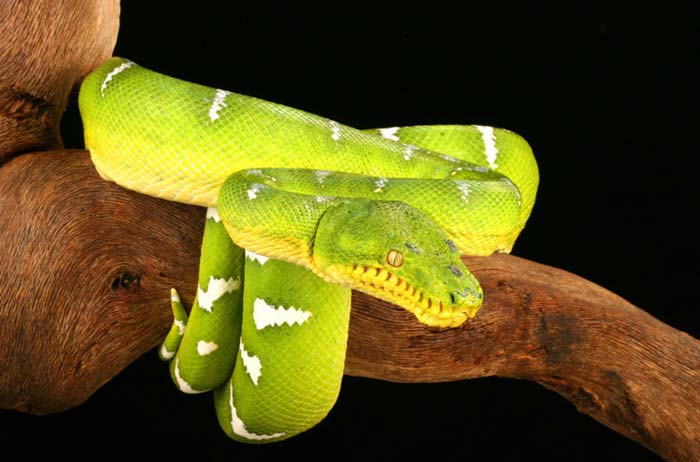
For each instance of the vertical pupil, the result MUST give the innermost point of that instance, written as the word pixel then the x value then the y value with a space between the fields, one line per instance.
pixel 394 258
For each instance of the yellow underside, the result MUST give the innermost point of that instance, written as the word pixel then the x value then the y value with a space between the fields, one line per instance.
pixel 382 284
pixel 286 248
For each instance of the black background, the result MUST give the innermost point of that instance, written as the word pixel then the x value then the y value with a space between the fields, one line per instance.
pixel 605 92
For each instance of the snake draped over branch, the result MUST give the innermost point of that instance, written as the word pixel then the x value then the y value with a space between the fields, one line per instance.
pixel 302 210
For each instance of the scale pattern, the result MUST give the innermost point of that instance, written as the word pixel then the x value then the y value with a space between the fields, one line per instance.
pixel 387 211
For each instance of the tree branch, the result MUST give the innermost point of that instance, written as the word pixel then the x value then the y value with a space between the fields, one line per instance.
pixel 46 47
pixel 615 362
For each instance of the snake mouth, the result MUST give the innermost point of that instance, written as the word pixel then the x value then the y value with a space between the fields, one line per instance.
pixel 430 311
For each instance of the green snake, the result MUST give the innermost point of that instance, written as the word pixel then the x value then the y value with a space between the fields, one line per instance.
pixel 302 210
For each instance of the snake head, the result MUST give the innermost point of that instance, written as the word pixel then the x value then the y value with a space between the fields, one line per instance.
pixel 395 252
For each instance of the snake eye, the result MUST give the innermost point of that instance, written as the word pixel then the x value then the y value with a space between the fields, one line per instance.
pixel 394 258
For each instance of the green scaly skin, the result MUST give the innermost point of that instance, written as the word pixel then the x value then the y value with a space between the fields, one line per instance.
pixel 192 371
pixel 268 334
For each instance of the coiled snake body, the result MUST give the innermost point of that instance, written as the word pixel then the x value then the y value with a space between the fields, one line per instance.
pixel 320 208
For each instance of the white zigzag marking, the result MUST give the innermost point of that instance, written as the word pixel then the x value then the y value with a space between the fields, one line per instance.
pixel 213 213
pixel 239 428
pixel 389 133
pixel 218 104
pixel 204 348
pixel 215 290
pixel 321 175
pixel 252 363
pixel 254 190
pixel 255 257
pixel 181 383
pixel 180 326
pixel 265 315
pixel 165 353
pixel 408 152
pixel 335 128
pixel 380 183
pixel 463 186
pixel 489 145
pixel 111 75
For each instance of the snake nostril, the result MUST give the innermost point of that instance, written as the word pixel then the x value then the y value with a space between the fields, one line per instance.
pixel 453 299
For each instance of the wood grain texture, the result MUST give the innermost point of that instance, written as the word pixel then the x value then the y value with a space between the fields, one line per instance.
pixel 45 48
pixel 86 269
pixel 612 360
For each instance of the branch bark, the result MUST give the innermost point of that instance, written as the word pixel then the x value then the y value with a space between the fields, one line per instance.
pixel 612 360
pixel 45 49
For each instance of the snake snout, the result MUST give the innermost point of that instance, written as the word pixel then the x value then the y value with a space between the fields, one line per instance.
pixel 468 300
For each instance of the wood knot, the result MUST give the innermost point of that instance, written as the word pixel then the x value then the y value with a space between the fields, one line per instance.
pixel 126 281
pixel 21 105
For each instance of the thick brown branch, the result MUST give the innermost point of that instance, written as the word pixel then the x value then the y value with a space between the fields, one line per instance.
pixel 87 267
pixel 612 360
pixel 45 48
